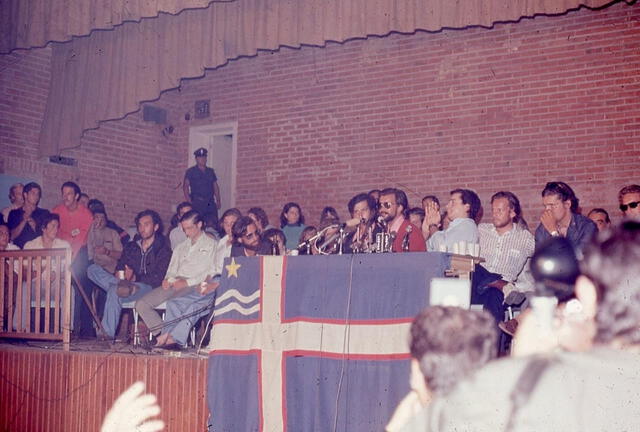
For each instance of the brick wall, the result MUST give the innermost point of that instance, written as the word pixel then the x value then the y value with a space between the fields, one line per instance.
pixel 511 107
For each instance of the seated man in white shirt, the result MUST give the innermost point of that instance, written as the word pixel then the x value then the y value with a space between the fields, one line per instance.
pixel 462 209
pixel 506 244
pixel 191 263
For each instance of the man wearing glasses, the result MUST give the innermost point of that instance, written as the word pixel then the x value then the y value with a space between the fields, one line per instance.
pixel 629 198
pixel 393 206
pixel 246 237
pixel 560 218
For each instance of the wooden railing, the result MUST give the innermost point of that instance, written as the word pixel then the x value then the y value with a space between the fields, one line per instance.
pixel 35 294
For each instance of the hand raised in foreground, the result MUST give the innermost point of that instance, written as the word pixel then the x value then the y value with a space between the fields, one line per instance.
pixel 132 411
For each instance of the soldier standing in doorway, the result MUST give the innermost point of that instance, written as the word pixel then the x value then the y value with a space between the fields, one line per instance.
pixel 200 187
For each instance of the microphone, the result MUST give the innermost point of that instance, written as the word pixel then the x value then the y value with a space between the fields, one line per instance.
pixel 380 220
pixel 350 224
pixel 309 240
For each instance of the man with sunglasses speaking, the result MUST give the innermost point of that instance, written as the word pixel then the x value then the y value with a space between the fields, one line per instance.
pixel 393 206
pixel 629 198
pixel 560 217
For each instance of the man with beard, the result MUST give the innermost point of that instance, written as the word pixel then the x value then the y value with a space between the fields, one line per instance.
pixel 506 244
pixel 407 237
pixel 144 263
pixel 192 261
pixel 246 237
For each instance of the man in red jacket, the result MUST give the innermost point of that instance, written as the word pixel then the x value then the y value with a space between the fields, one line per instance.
pixel 393 207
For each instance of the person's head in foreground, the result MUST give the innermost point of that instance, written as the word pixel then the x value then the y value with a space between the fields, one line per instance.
pixel 450 343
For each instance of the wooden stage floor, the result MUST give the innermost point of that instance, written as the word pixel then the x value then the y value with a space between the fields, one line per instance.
pixel 43 388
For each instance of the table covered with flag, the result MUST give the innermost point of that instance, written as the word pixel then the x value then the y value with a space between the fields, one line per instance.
pixel 314 343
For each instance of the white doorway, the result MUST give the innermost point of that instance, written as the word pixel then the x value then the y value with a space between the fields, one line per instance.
pixel 220 140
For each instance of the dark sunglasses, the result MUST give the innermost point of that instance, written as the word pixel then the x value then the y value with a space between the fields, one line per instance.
pixel 249 236
pixel 632 205
pixel 385 204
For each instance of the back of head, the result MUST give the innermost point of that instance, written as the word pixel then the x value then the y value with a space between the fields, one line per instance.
pixel 450 343
pixel 612 263
pixel 554 266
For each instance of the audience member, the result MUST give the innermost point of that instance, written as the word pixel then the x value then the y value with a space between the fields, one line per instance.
pixel 292 223
pixel 447 345
pixel 16 198
pixel 75 220
pixel 568 391
pixel 260 217
pixel 629 199
pixel 103 246
pixel 25 222
pixel 124 235
pixel 5 239
pixel 143 264
pixel 329 214
pixel 211 226
pixel 430 199
pixel 506 244
pixel 375 194
pixel 416 216
pixel 407 237
pixel 84 200
pixel 272 243
pixel 224 246
pixel 49 239
pixel 600 217
pixel 246 237
pixel 560 217
pixel 306 246
pixel 462 209
pixel 192 261
pixel 177 235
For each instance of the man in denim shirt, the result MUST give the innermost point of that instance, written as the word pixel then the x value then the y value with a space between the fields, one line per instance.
pixel 559 217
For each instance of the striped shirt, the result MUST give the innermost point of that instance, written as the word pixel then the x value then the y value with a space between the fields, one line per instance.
pixel 505 254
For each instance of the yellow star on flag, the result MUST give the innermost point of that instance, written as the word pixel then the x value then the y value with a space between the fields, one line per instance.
pixel 232 269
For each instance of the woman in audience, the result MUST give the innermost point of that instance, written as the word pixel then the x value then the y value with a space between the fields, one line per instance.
pixel 259 216
pixel 292 223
